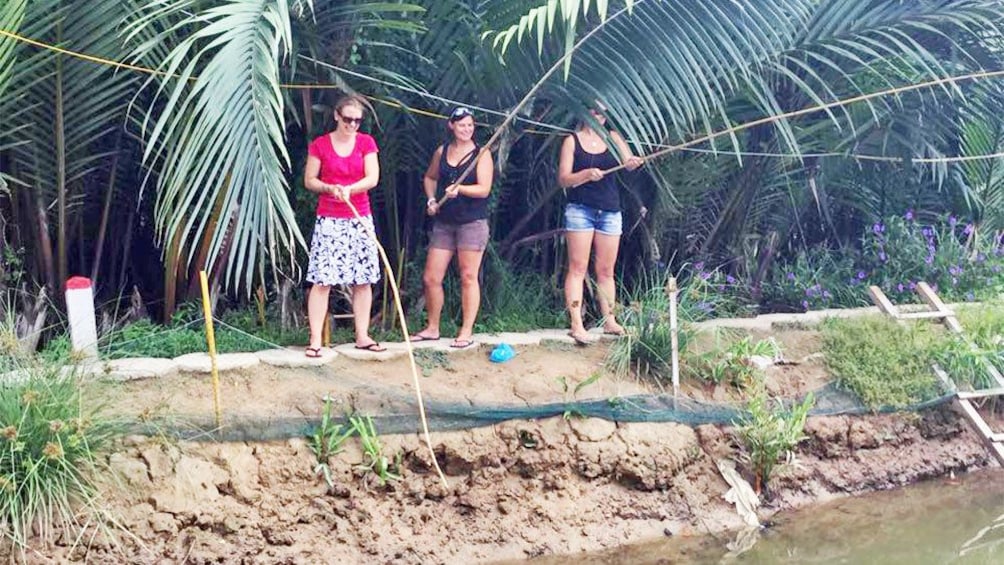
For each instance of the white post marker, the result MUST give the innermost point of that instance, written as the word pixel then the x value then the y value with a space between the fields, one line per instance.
pixel 672 291
pixel 80 311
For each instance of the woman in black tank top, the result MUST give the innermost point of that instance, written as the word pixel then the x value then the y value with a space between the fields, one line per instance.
pixel 592 218
pixel 461 225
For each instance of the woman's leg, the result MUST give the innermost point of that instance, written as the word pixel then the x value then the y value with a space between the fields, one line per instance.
pixel 362 304
pixel 317 307
pixel 578 243
pixel 436 263
pixel 606 256
pixel 470 290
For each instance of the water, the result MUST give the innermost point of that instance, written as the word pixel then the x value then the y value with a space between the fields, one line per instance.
pixel 959 521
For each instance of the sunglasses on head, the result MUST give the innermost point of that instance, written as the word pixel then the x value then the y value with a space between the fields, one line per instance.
pixel 350 121
pixel 459 114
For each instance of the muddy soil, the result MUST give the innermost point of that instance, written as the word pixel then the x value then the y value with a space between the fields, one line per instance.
pixel 515 490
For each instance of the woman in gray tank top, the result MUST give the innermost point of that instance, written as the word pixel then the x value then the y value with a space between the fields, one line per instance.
pixel 460 226
pixel 592 218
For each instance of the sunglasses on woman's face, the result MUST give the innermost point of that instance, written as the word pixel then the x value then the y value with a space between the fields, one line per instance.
pixel 350 121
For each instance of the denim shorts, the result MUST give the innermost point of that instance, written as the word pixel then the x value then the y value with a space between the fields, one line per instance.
pixel 579 217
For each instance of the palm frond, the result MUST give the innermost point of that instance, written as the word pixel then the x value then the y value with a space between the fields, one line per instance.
pixel 217 134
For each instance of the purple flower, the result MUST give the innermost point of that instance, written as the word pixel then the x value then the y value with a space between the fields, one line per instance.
pixel 705 275
pixel 862 275
pixel 826 294
pixel 912 286
pixel 699 265
pixel 928 232
pixel 791 276
pixel 981 257
pixel 805 305
pixel 968 229
pixel 929 259
pixel 900 287
pixel 878 228
pixel 883 257
pixel 952 220
pixel 730 279
pixel 955 270
pixel 909 215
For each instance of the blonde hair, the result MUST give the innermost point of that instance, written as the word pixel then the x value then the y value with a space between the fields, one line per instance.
pixel 349 100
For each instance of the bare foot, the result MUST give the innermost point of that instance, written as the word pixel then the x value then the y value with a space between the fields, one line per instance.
pixel 613 328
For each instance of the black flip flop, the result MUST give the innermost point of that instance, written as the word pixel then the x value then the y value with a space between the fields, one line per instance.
pixel 417 338
pixel 374 347
pixel 312 352
pixel 462 343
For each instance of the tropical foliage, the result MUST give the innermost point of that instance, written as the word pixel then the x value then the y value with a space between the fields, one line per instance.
pixel 141 178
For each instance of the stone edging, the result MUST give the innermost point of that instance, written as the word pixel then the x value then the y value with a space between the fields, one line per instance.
pixel 152 367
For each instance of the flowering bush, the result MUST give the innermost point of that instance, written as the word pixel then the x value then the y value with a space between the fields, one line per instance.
pixel 955 258
pixel 959 261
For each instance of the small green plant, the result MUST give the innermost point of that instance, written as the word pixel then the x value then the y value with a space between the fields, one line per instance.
pixel 768 435
pixel 49 439
pixel 374 460
pixel 572 392
pixel 732 364
pixel 430 359
pixel 326 441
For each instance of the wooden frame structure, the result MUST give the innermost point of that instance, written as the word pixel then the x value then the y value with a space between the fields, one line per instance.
pixel 939 310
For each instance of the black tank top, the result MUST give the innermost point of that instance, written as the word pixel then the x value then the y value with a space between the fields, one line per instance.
pixel 462 209
pixel 601 194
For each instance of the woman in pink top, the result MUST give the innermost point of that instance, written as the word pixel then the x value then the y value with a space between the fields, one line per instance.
pixel 342 167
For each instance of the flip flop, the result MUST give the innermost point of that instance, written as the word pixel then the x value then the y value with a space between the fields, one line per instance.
pixel 375 347
pixel 419 337
pixel 462 343
pixel 312 352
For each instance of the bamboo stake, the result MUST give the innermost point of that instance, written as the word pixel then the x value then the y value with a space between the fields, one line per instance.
pixel 211 340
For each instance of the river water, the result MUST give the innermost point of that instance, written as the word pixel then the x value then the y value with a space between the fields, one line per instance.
pixel 941 521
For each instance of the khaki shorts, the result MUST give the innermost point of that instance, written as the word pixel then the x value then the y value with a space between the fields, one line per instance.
pixel 472 236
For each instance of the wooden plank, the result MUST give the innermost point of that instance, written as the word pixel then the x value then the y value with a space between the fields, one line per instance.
pixel 983 429
pixel 945 379
pixel 924 315
pixel 928 295
pixel 981 393
pixel 882 301
pixel 997 437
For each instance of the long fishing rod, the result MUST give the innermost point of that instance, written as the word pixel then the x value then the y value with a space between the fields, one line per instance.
pixel 813 109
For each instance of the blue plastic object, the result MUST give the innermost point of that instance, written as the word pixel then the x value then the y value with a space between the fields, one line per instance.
pixel 502 353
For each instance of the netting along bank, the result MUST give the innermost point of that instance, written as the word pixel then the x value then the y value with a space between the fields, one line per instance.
pixel 401 416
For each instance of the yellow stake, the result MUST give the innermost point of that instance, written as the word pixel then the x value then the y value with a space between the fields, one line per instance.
pixel 211 340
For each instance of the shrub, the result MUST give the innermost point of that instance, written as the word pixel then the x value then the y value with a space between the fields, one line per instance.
pixel 816 279
pixel 731 364
pixel 48 441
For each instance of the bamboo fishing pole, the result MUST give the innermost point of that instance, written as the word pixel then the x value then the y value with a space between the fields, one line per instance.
pixel 813 109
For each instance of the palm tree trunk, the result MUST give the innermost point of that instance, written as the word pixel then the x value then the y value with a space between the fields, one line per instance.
pixel 99 245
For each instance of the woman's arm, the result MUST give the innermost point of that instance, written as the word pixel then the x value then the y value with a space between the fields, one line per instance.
pixel 486 174
pixel 431 181
pixel 311 180
pixel 568 179
pixel 627 157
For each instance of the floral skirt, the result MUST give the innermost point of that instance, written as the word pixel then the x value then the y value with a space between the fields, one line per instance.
pixel 342 252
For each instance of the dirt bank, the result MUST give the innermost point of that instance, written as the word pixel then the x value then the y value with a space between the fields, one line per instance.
pixel 516 489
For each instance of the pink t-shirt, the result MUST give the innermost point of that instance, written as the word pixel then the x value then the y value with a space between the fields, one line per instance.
pixel 336 169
